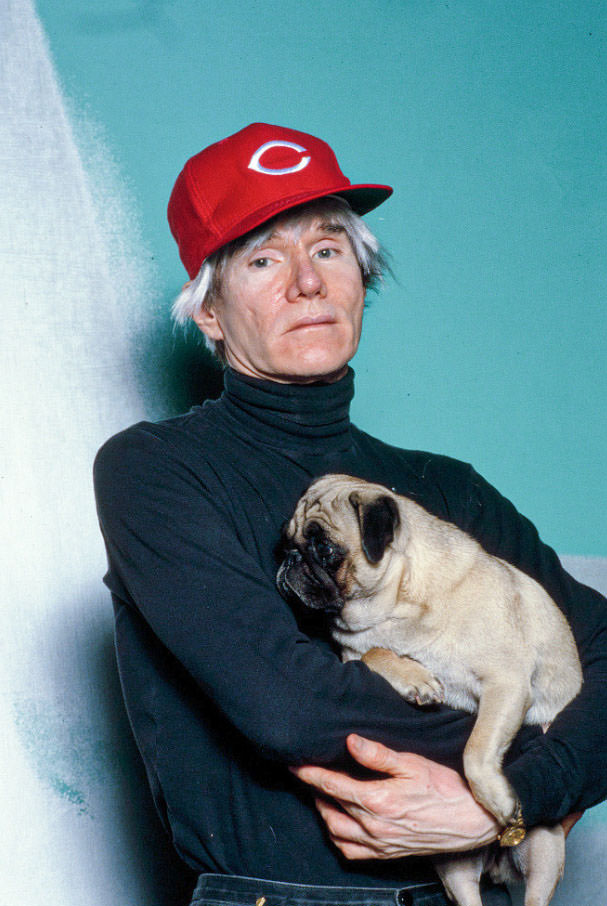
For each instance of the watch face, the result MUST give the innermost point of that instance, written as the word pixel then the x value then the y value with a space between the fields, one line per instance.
pixel 512 836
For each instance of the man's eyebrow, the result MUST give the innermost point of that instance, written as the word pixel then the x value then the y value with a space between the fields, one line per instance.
pixel 330 226
pixel 323 226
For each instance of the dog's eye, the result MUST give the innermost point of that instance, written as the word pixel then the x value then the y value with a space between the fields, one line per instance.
pixel 323 550
pixel 328 555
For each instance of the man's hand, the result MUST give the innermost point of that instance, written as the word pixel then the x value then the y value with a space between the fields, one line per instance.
pixel 419 808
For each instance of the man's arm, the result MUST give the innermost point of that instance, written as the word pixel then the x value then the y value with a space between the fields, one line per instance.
pixel 176 557
pixel 419 808
pixel 563 770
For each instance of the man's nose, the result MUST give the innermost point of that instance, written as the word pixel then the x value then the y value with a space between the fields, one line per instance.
pixel 306 279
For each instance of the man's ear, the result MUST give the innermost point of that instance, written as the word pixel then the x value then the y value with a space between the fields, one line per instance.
pixel 377 519
pixel 207 321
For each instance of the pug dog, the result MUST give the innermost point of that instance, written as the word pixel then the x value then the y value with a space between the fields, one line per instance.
pixel 425 606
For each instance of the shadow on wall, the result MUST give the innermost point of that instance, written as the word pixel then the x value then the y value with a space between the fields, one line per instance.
pixel 183 371
pixel 195 374
pixel 76 740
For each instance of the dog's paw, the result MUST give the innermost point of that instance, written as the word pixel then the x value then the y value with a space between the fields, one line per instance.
pixel 492 790
pixel 422 693
pixel 410 678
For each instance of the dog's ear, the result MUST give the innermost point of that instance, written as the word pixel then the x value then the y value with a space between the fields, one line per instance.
pixel 378 520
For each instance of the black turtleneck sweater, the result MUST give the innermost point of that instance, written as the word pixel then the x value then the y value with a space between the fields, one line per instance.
pixel 224 687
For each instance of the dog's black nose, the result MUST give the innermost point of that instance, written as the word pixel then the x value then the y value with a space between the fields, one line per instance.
pixel 291 558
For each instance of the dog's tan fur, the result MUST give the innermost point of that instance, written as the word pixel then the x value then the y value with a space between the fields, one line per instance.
pixel 442 620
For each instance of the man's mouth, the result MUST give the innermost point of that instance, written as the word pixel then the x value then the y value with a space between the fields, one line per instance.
pixel 312 321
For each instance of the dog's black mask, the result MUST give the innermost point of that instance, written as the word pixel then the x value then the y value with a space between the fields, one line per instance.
pixel 308 574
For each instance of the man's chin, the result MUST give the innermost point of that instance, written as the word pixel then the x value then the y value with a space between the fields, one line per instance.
pixel 312 376
pixel 297 368
pixel 314 366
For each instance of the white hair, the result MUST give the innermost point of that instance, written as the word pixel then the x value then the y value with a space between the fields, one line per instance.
pixel 201 292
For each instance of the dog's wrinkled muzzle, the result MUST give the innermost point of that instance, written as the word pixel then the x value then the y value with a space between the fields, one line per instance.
pixel 310 584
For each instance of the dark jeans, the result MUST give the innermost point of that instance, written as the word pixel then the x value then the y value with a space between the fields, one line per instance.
pixel 229 890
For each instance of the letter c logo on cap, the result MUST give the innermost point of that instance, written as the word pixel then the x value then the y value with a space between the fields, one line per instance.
pixel 255 162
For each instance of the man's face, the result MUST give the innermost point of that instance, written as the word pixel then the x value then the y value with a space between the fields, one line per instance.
pixel 291 310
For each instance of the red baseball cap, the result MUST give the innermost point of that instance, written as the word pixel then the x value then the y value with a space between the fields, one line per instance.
pixel 249 177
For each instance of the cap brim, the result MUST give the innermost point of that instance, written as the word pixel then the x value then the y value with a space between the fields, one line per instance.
pixel 362 199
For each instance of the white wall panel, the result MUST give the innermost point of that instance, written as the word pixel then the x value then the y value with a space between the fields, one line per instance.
pixel 73 821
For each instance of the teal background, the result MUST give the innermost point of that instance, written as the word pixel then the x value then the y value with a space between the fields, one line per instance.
pixel 488 119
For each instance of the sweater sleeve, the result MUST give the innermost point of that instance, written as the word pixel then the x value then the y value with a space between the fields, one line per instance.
pixel 565 769
pixel 176 557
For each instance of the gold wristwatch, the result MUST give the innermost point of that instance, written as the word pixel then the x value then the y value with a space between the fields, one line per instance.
pixel 515 832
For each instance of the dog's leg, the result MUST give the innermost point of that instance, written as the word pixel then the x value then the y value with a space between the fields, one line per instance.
pixel 460 876
pixel 408 677
pixel 540 858
pixel 501 711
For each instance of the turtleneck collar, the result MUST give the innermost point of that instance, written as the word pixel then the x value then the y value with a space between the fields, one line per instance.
pixel 310 417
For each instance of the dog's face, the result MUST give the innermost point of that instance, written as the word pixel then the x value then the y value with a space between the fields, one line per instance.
pixel 336 546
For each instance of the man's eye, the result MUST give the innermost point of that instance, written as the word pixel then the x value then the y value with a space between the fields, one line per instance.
pixel 326 253
pixel 260 262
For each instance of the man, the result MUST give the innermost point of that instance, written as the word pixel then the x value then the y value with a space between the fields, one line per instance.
pixel 225 690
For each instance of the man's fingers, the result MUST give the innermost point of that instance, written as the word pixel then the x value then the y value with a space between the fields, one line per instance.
pixel 374 755
pixel 339 823
pixel 355 850
pixel 348 834
pixel 332 783
pixel 370 754
pixel 361 851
